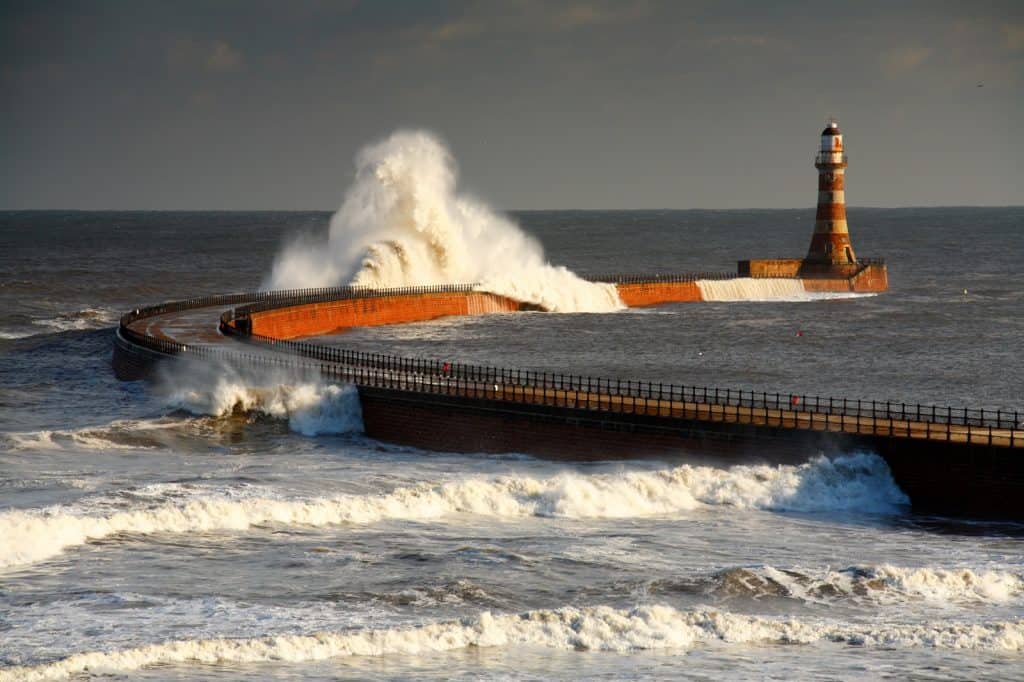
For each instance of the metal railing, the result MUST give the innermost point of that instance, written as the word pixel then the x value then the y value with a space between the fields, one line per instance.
pixel 639 278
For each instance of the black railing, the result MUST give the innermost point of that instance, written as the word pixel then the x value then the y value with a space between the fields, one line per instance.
pixel 638 278
pixel 653 391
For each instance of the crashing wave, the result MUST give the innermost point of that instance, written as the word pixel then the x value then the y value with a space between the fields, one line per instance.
pixel 311 408
pixel 859 482
pixel 403 224
pixel 881 584
pixel 596 628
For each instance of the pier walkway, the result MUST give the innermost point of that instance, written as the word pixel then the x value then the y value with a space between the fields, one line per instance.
pixel 204 327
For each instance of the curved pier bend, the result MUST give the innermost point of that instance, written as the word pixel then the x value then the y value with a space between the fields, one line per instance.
pixel 949 461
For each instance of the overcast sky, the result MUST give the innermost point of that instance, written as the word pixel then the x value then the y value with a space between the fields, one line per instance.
pixel 262 105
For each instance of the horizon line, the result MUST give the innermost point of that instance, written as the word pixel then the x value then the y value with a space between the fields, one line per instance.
pixel 507 210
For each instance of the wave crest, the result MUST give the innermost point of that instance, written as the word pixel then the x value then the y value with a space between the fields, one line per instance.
pixel 881 584
pixel 597 628
pixel 860 482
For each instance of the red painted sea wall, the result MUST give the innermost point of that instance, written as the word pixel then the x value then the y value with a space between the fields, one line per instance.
pixel 773 267
pixel 872 279
pixel 653 293
pixel 314 319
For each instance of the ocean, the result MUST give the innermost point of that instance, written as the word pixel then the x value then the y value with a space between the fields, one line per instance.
pixel 161 531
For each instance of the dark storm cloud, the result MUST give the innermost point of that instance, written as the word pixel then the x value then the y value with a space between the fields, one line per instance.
pixel 580 104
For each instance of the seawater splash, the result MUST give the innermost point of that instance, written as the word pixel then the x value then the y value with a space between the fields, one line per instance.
pixel 592 628
pixel 311 406
pixel 858 483
pixel 403 223
pixel 763 289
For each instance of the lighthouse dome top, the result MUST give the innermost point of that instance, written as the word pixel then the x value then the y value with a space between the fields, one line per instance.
pixel 831 129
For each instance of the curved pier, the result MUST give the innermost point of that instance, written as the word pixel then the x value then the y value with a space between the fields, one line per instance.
pixel 950 461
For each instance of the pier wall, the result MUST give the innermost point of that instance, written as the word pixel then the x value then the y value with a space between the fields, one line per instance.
pixel 328 317
pixel 652 293
pixel 872 279
pixel 952 461
pixel 468 424
pixel 316 319
pixel 770 267
pixel 864 278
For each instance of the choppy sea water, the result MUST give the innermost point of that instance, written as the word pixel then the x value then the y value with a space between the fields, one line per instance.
pixel 147 533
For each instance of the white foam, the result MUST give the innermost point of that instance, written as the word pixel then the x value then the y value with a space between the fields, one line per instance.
pixel 117 435
pixel 763 289
pixel 860 482
pixel 403 223
pixel 311 408
pixel 597 628
pixel 87 318
pixel 887 584
pixel 947 585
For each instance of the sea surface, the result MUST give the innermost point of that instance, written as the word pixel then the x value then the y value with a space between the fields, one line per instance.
pixel 208 528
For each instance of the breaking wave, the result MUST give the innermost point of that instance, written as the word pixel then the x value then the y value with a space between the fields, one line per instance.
pixel 117 435
pixel 859 482
pixel 881 584
pixel 87 318
pixel 311 408
pixel 403 223
pixel 79 320
pixel 596 628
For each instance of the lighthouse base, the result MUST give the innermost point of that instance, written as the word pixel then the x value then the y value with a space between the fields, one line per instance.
pixel 864 276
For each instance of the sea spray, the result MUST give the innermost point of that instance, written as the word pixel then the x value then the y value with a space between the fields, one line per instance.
pixel 781 289
pixel 572 628
pixel 310 406
pixel 403 223
pixel 858 482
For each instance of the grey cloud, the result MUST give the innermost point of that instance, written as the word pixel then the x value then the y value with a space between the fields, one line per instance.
pixel 545 104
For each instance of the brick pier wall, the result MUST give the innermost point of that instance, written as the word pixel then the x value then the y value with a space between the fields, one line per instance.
pixel 872 279
pixel 653 293
pixel 314 319
pixel 465 424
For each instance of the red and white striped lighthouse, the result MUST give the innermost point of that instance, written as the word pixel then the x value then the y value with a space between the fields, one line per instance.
pixel 830 244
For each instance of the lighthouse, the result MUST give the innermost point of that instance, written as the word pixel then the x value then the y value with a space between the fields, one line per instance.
pixel 830 244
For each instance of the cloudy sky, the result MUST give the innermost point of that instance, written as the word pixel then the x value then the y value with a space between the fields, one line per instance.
pixel 642 104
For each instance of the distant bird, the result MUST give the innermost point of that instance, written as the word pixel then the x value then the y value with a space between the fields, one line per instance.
pixel 981 85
